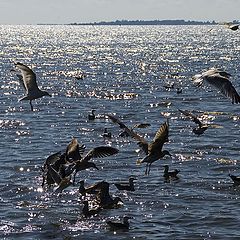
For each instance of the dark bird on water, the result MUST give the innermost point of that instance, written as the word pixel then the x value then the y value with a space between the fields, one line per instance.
pixel 90 189
pixel 124 225
pixel 91 116
pixel 29 83
pixel 104 199
pixel 170 174
pixel 220 80
pixel 201 127
pixel 126 186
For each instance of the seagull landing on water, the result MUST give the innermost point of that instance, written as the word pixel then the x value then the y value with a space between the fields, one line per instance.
pixel 220 80
pixel 28 81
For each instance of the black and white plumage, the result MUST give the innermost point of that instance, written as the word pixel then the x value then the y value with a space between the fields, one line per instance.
pixel 28 81
pixel 220 80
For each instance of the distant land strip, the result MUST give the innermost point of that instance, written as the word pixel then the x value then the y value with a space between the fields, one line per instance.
pixel 149 22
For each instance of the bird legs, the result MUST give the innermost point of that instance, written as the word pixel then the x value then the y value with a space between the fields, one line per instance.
pixel 31 105
pixel 148 166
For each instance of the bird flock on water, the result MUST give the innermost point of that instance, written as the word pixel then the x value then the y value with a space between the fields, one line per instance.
pixel 60 169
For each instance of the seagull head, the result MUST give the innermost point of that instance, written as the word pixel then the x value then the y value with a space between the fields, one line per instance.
pixel 45 93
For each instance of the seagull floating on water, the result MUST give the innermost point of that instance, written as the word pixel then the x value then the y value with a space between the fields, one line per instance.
pixel 220 80
pixel 126 186
pixel 91 116
pixel 119 225
pixel 172 174
pixel 104 199
pixel 29 83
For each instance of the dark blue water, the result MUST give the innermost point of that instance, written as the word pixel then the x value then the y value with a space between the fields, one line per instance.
pixel 202 204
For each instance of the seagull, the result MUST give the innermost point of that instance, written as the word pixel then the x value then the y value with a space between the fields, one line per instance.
pixel 127 132
pixel 97 152
pixel 172 174
pixel 90 189
pixel 126 186
pixel 152 150
pixel 28 81
pixel 220 80
pixel 91 116
pixel 118 225
pixel 104 199
pixel 201 128
pixel 62 182
pixel 56 161
pixel 232 26
pixel 74 150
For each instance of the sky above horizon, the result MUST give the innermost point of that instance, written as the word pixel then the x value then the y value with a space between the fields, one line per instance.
pixel 80 11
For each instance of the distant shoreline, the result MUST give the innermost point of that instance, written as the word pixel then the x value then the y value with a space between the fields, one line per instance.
pixel 147 22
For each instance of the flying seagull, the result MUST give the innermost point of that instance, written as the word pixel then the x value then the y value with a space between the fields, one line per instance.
pixel 29 83
pixel 232 26
pixel 201 128
pixel 152 150
pixel 220 80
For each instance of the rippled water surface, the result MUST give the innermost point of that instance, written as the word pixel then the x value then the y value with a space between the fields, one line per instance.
pixel 126 70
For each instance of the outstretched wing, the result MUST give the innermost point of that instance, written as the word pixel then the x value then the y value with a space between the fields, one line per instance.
pixel 220 80
pixel 52 159
pixel 100 152
pixel 223 84
pixel 141 141
pixel 29 77
pixel 160 138
pixel 192 116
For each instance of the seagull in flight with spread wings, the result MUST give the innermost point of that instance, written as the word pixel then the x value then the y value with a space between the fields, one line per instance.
pixel 152 150
pixel 28 81
pixel 220 80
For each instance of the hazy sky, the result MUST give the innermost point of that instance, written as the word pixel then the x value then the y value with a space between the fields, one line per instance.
pixel 69 11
